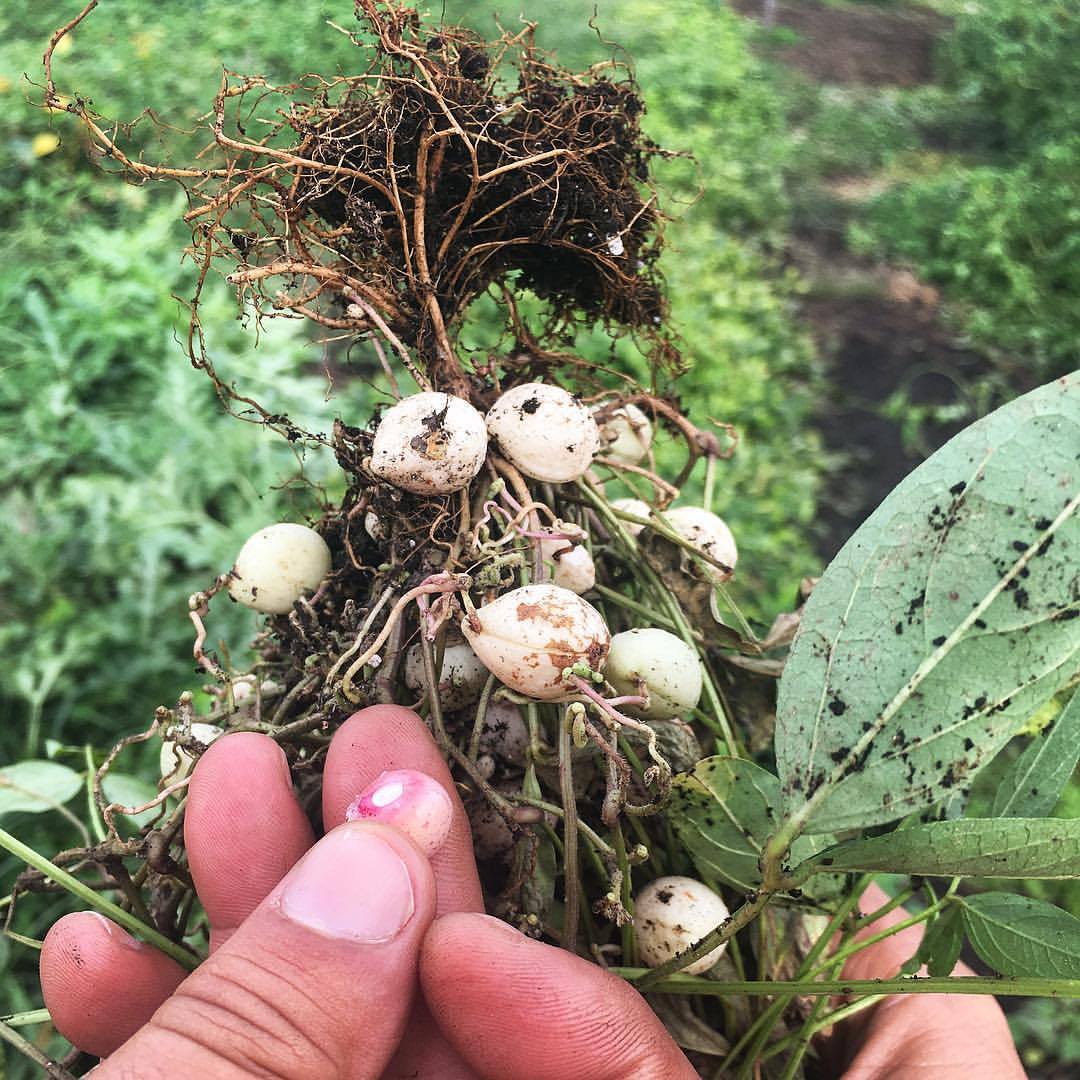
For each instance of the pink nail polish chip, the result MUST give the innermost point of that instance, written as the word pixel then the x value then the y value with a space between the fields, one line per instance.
pixel 410 801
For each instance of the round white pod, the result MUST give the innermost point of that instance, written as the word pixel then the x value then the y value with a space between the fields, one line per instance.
pixel 709 533
pixel 175 762
pixel 544 431
pixel 671 670
pixel 430 444
pixel 567 562
pixel 528 636
pixel 277 565
pixel 673 913
pixel 626 435
pixel 637 507
pixel 461 678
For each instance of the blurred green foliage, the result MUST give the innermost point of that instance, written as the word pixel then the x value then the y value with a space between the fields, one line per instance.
pixel 999 226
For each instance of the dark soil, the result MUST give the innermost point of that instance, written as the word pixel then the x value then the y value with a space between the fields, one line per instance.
pixel 867 44
pixel 876 346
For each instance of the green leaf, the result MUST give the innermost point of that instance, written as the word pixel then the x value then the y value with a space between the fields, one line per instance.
pixel 940 947
pixel 967 847
pixel 1034 782
pixel 723 811
pixel 32 787
pixel 130 791
pixel 1016 935
pixel 946 620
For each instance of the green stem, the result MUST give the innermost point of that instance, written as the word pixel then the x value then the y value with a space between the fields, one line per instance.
pixel 572 897
pixel 95 817
pixel 28 1049
pixel 25 1019
pixel 77 888
pixel 813 1026
pixel 1028 986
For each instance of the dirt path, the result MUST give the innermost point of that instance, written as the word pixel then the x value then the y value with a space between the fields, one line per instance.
pixel 877 326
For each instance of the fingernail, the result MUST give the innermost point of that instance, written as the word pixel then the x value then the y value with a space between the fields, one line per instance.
pixel 115 932
pixel 352 884
pixel 410 801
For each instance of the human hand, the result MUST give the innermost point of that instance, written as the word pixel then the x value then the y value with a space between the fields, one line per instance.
pixel 277 995
pixel 298 987
pixel 940 1036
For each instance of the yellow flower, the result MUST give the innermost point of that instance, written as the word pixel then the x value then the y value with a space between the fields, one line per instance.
pixel 44 143
pixel 5 84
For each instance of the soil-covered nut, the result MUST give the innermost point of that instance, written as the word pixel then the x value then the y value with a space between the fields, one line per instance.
pixel 277 565
pixel 430 444
pixel 529 636
pixel 461 678
pixel 669 667
pixel 637 507
pixel 493 839
pixel 503 734
pixel 175 762
pixel 626 435
pixel 673 913
pixel 544 431
pixel 567 562
pixel 709 533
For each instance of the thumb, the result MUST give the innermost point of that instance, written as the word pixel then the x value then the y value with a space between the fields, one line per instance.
pixel 318 980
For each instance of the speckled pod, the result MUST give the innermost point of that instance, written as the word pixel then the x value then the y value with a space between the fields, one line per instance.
pixel 527 637
pixel 430 444
pixel 545 432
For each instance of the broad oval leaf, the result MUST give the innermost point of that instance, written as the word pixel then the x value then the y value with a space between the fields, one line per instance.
pixel 968 847
pixel 1034 782
pixel 722 812
pixel 949 617
pixel 32 787
pixel 1019 936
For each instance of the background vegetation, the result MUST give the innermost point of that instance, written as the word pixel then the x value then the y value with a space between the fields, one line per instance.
pixel 123 487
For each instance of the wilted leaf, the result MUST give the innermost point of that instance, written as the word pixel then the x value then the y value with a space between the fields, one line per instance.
pixel 1016 935
pixel 967 847
pixel 948 618
pixel 32 787
pixel 1034 782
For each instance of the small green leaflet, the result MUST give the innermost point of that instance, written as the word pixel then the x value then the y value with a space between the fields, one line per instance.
pixel 940 946
pixel 967 847
pixel 723 811
pixel 948 618
pixel 1016 935
pixel 1034 782
pixel 32 787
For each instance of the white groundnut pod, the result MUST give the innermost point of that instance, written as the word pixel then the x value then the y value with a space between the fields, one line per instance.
pixel 545 432
pixel 175 762
pixel 461 679
pixel 373 526
pixel 528 636
pixel 277 565
pixel 504 735
pixel 626 435
pixel 709 533
pixel 637 507
pixel 430 444
pixel 670 668
pixel 567 562
pixel 673 913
